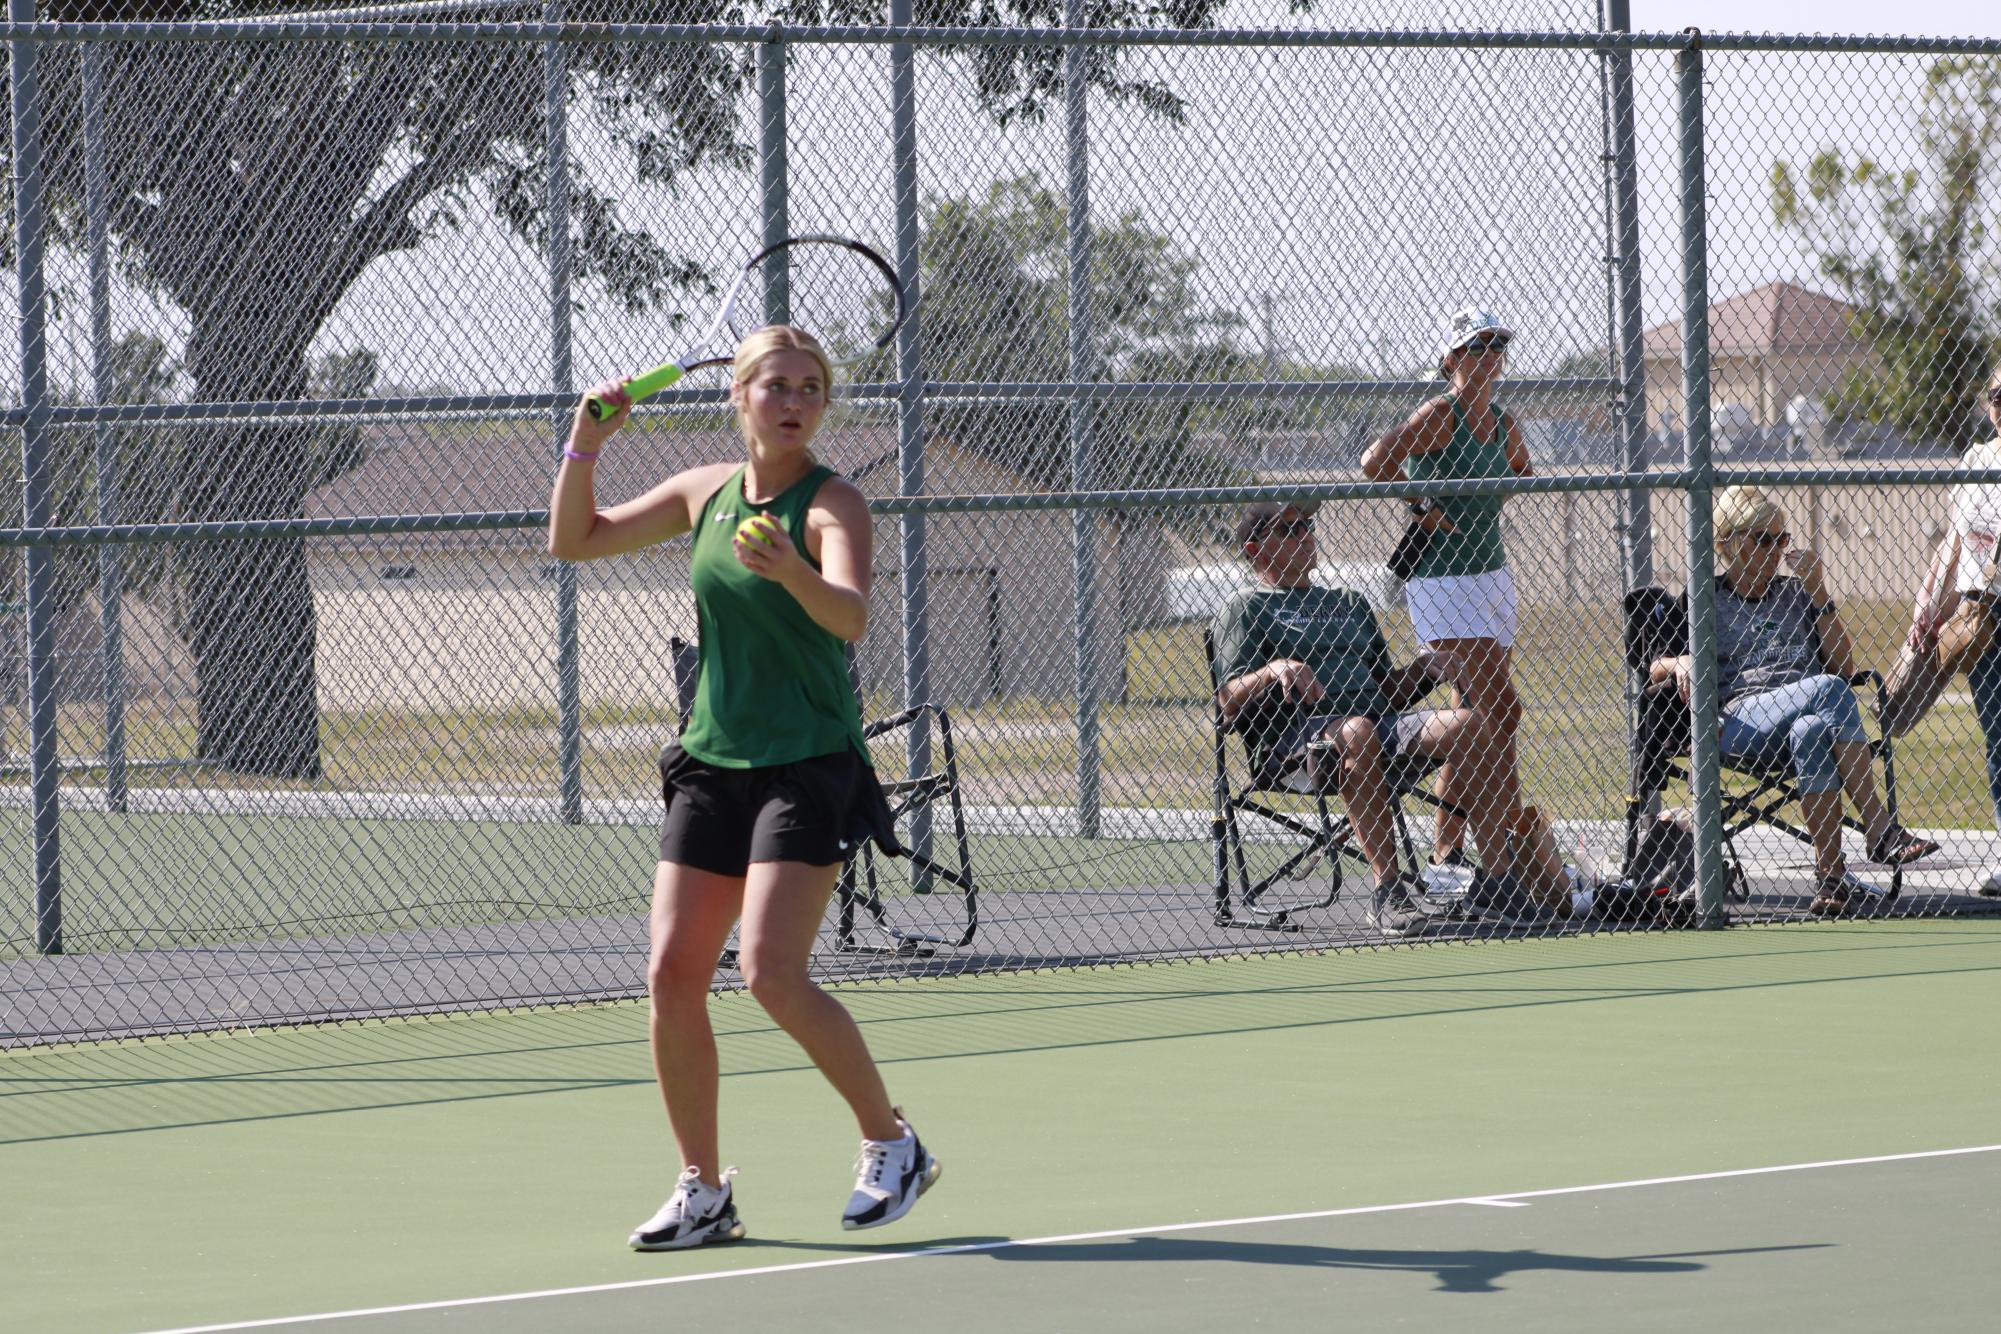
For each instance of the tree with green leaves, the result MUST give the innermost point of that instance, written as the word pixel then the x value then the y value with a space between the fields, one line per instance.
pixel 996 293
pixel 1913 251
pixel 251 184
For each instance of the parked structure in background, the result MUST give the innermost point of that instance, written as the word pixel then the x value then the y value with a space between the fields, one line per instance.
pixel 1768 346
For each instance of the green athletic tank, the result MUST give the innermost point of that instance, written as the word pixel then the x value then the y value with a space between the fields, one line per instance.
pixel 774 684
pixel 1475 548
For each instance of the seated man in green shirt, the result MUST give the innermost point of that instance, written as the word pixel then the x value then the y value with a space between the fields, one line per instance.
pixel 1301 664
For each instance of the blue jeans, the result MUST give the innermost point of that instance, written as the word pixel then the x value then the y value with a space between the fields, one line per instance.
pixel 1985 683
pixel 1802 720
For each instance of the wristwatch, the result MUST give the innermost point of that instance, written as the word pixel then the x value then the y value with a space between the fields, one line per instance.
pixel 1422 506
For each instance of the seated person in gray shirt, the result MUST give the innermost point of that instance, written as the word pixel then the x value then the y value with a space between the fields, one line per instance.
pixel 1783 663
pixel 1300 664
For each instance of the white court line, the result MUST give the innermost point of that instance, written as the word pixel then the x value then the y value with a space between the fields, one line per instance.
pixel 1514 1199
pixel 1493 1203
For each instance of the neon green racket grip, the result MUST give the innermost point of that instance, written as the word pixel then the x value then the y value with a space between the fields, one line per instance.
pixel 641 387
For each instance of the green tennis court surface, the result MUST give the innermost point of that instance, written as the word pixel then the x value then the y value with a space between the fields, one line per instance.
pixel 1374 1140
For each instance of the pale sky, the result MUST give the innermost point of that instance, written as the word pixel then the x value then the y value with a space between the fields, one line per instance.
pixel 1915 18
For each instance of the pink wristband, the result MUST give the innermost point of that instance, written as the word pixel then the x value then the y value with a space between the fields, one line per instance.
pixel 569 453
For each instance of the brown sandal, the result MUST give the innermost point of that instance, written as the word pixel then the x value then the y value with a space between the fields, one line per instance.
pixel 1900 847
pixel 1831 897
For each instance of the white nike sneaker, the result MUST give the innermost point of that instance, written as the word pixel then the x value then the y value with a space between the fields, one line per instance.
pixel 889 1176
pixel 696 1214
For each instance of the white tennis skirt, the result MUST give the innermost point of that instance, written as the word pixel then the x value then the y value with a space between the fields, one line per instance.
pixel 1463 606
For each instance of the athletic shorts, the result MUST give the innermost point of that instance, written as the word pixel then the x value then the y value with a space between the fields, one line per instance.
pixel 1463 606
pixel 815 811
pixel 1288 756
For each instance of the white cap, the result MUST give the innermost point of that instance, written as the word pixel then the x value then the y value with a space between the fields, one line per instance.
pixel 1463 326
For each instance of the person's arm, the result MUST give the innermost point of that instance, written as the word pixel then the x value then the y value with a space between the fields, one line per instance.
pixel 1837 652
pixel 1293 679
pixel 1518 450
pixel 1404 686
pixel 1836 649
pixel 1680 670
pixel 578 530
pixel 1428 431
pixel 1414 680
pixel 836 594
pixel 1243 684
pixel 1939 597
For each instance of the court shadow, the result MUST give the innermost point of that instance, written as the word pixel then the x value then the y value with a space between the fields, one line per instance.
pixel 1466 1271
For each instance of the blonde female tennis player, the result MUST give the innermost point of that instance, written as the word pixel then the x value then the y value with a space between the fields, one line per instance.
pixel 769 783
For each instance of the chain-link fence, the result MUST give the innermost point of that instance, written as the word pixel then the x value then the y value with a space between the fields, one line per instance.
pixel 301 722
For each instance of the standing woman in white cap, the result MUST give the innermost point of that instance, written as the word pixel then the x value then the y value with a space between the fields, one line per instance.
pixel 1461 594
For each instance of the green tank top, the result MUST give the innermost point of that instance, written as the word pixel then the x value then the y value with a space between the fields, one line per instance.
pixel 1475 546
pixel 774 684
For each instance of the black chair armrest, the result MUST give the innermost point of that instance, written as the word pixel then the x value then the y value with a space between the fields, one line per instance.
pixel 871 731
pixel 1869 676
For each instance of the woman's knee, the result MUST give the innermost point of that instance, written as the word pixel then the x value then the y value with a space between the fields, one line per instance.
pixel 673 975
pixel 776 984
pixel 1834 700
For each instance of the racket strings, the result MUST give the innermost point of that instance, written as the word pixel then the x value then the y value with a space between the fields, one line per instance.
pixel 837 295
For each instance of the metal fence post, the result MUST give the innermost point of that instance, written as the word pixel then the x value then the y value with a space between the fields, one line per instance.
pixel 1083 414
pixel 111 555
pixel 1704 760
pixel 44 764
pixel 1625 257
pixel 912 531
pixel 569 656
pixel 1636 507
pixel 772 173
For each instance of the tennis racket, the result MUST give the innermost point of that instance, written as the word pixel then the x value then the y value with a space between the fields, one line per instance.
pixel 837 289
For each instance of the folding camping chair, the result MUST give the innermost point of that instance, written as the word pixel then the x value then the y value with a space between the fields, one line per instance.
pixel 1656 626
pixel 1322 834
pixel 911 800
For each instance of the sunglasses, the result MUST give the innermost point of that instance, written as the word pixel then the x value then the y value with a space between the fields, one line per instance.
pixel 1287 528
pixel 1769 539
pixel 1480 345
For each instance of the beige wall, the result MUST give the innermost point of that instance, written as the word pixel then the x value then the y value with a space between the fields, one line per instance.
pixel 1003 606
pixel 476 630
pixel 1763 384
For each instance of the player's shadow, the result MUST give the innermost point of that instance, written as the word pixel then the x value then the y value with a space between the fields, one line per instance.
pixel 1456 1270
pixel 1465 1270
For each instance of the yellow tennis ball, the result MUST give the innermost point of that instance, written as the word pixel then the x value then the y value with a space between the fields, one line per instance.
pixel 759 528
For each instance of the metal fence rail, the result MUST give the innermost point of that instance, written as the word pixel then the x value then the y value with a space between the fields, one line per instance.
pixel 299 721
